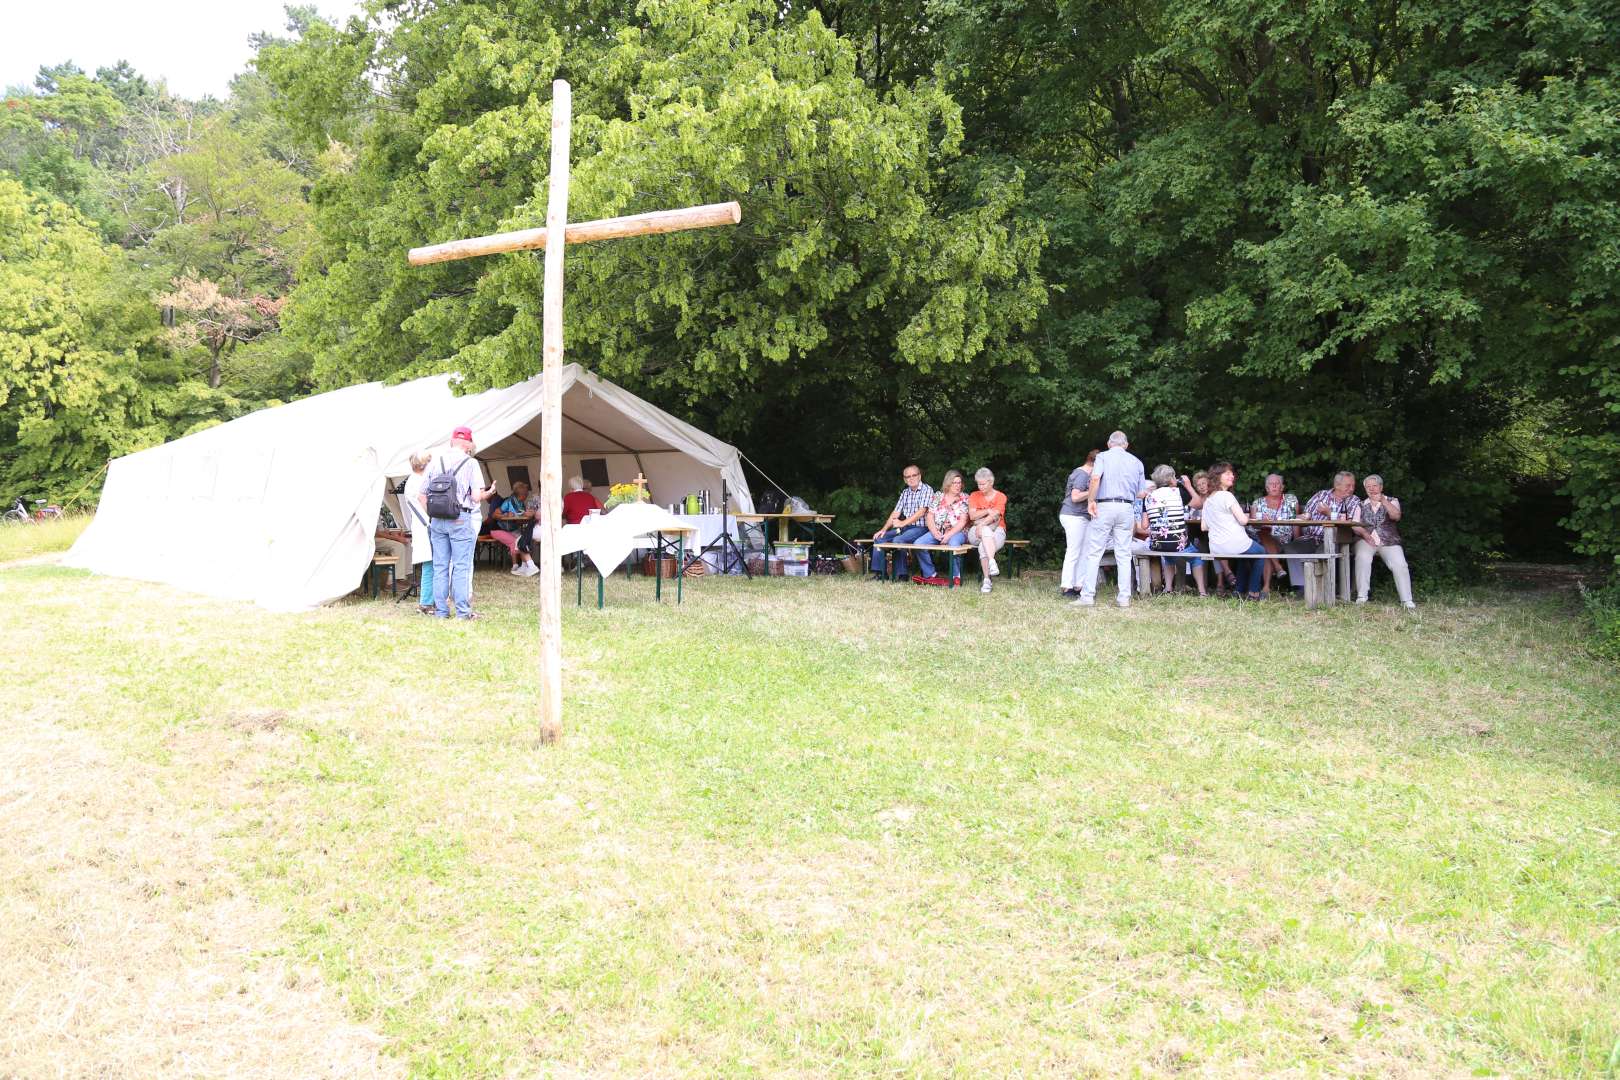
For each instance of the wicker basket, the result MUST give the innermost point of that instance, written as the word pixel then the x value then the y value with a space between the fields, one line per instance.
pixel 696 568
pixel 651 566
pixel 854 564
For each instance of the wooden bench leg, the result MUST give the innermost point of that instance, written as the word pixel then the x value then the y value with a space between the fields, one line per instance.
pixel 1144 576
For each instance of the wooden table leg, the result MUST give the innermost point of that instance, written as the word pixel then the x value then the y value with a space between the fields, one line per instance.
pixel 1330 548
pixel 1344 569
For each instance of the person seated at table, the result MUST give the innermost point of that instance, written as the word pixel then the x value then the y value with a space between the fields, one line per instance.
pixel 1164 521
pixel 1226 524
pixel 947 521
pixel 514 521
pixel 1378 514
pixel 987 510
pixel 1338 503
pixel 495 527
pixel 579 501
pixel 1195 489
pixel 904 524
pixel 1276 504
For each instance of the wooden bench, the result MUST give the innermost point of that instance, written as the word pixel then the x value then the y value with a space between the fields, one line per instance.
pixel 1016 548
pixel 1317 566
pixel 379 563
pixel 956 551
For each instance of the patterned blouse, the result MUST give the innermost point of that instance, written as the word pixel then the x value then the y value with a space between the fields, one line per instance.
pixel 1321 504
pixel 949 517
pixel 1376 519
pixel 1262 511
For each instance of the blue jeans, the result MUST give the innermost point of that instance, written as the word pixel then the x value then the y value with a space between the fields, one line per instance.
pixel 453 543
pixel 925 560
pixel 1247 571
pixel 911 534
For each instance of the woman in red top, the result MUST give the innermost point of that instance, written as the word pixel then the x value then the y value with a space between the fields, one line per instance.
pixel 988 509
pixel 578 502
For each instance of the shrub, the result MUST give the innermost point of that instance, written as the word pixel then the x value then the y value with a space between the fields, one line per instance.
pixel 1603 608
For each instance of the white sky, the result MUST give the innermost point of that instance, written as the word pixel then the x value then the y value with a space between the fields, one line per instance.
pixel 196 45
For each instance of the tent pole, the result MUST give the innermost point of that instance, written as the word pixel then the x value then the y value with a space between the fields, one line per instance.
pixel 551 419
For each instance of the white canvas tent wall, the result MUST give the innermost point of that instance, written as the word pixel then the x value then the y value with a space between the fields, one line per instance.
pixel 280 507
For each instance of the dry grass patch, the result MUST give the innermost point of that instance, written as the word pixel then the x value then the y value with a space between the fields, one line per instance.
pixel 131 948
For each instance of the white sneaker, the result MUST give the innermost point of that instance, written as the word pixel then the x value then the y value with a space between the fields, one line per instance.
pixel 517 569
pixel 1084 601
pixel 530 569
pixel 995 571
pixel 1409 606
pixel 1122 603
pixel 986 586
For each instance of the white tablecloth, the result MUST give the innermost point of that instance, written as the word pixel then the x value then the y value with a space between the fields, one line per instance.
pixel 708 531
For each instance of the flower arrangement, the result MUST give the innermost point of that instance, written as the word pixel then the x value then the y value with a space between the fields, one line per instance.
pixel 619 494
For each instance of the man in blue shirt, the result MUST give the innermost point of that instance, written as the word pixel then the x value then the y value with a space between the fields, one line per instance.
pixel 905 523
pixel 1117 479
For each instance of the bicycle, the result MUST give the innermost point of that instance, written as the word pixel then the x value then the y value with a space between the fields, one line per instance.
pixel 19 513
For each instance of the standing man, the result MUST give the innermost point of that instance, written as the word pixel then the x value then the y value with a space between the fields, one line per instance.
pixel 905 522
pixel 1117 479
pixel 454 538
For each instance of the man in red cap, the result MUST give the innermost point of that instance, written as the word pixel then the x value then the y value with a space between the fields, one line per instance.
pixel 455 538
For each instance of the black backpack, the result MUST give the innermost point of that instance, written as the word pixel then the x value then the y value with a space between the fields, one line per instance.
pixel 442 502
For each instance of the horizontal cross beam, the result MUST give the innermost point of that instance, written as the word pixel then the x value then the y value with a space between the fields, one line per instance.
pixel 658 221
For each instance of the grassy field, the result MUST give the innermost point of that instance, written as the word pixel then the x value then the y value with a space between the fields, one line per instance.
pixel 832 828
pixel 45 537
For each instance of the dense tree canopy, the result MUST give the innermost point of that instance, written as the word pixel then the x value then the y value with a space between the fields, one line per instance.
pixel 1380 236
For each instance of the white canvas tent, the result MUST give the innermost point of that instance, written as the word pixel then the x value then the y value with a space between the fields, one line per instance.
pixel 280 506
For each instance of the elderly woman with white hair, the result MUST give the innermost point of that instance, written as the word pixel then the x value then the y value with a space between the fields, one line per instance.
pixel 1379 537
pixel 987 508
pixel 413 505
pixel 578 502
pixel 1275 505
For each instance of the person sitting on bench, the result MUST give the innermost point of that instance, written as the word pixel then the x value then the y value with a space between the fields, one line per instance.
pixel 947 521
pixel 516 517
pixel 1226 523
pixel 905 522
pixel 988 509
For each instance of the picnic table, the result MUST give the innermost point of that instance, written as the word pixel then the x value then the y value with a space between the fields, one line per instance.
pixel 659 546
pixel 1336 556
pixel 784 521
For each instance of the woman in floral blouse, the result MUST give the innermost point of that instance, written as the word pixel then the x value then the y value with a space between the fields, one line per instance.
pixel 947 521
pixel 1274 505
pixel 1378 514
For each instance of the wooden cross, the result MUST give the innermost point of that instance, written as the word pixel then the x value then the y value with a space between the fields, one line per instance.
pixel 659 221
pixel 641 486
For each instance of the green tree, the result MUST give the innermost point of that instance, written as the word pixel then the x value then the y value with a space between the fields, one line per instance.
pixel 75 344
pixel 858 257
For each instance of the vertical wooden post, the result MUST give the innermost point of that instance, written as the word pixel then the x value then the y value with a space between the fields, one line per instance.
pixel 551 419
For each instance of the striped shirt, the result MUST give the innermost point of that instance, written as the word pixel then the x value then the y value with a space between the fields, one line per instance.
pixel 913 499
pixel 1167 519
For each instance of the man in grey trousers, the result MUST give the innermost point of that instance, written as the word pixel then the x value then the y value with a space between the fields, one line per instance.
pixel 1117 479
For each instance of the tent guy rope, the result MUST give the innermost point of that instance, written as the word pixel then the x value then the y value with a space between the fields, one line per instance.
pixel 662 221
